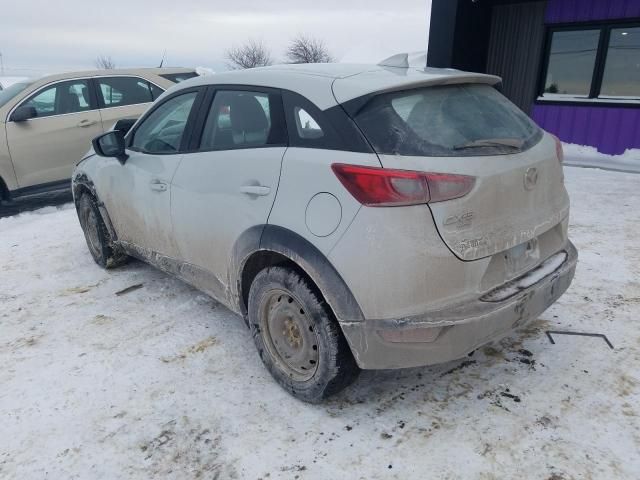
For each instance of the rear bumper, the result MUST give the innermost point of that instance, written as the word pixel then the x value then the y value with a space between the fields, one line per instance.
pixel 451 333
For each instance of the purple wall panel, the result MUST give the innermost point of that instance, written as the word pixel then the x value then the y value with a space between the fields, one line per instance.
pixel 565 11
pixel 581 123
pixel 610 130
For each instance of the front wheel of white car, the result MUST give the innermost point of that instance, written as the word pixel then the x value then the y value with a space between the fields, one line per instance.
pixel 298 339
pixel 97 235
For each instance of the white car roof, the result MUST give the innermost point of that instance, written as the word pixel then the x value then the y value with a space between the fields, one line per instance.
pixel 327 84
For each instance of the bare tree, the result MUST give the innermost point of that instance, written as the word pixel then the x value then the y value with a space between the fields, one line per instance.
pixel 105 62
pixel 249 55
pixel 304 49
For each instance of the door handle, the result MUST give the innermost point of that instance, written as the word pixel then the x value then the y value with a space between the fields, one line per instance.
pixel 86 123
pixel 158 186
pixel 259 190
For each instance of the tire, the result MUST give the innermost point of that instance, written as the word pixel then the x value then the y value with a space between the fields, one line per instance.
pixel 297 336
pixel 97 235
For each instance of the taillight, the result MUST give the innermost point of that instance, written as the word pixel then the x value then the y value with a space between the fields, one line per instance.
pixel 382 187
pixel 447 186
pixel 559 149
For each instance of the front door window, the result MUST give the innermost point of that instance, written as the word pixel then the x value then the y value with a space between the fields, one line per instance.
pixel 163 130
pixel 61 98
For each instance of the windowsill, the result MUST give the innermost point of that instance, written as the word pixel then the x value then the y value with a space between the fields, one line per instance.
pixel 560 99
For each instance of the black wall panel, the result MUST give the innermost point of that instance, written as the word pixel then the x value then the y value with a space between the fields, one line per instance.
pixel 516 41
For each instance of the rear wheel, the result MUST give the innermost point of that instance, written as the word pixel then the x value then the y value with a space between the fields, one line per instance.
pixel 297 337
pixel 96 234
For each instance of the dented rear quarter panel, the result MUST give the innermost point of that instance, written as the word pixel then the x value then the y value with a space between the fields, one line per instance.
pixel 397 265
pixel 306 172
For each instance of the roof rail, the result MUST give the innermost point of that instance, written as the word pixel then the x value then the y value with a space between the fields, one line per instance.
pixel 405 60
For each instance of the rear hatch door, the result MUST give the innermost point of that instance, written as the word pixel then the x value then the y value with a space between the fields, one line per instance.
pixel 506 207
pixel 473 130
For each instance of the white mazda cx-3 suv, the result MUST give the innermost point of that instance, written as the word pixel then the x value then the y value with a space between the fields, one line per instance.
pixel 357 216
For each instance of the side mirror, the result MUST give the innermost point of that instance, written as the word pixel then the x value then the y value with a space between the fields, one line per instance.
pixel 24 113
pixel 111 144
pixel 125 125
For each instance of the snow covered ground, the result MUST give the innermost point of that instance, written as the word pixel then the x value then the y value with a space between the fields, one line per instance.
pixel 584 156
pixel 162 382
pixel 33 202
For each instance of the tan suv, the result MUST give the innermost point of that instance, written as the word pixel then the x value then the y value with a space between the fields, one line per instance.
pixel 47 124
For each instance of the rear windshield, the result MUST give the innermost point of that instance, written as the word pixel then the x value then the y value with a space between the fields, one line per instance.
pixel 446 121
pixel 179 77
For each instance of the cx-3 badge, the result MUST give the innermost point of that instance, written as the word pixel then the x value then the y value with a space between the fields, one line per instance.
pixel 531 178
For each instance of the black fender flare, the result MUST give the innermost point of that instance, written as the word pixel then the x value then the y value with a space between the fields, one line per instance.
pixel 306 256
pixel 81 181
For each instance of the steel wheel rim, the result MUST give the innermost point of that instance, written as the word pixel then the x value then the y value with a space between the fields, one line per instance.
pixel 91 231
pixel 289 335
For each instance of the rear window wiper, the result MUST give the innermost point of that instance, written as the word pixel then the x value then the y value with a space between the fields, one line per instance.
pixel 492 142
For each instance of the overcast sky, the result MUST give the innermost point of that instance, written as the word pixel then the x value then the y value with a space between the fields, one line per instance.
pixel 45 36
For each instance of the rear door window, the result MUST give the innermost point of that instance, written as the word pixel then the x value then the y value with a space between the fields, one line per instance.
pixel 243 119
pixel 122 91
pixel 452 120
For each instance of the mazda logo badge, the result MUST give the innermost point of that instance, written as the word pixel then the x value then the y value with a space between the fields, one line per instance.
pixel 531 178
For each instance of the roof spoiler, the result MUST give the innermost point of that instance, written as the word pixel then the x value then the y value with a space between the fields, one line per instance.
pixel 405 60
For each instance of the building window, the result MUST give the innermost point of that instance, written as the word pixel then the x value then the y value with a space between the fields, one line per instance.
pixel 592 64
pixel 571 61
pixel 622 68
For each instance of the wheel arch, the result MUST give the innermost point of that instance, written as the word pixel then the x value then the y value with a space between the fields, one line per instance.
pixel 83 184
pixel 270 245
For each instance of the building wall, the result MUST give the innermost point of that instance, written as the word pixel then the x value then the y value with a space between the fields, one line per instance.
pixel 515 48
pixel 610 130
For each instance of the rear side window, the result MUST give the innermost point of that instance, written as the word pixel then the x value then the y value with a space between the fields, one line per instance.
pixel 306 125
pixel 243 119
pixel 179 77
pixel 310 127
pixel 446 121
pixel 121 91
